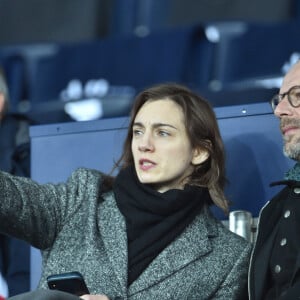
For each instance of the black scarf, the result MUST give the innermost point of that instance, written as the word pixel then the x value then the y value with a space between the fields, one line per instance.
pixel 153 219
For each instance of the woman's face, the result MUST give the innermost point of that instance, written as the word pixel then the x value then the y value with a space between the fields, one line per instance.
pixel 162 152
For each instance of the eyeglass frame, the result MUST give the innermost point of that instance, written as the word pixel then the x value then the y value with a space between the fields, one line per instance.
pixel 281 96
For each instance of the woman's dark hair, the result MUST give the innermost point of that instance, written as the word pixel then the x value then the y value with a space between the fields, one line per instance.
pixel 203 132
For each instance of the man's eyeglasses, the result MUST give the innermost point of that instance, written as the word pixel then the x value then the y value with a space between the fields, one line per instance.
pixel 293 96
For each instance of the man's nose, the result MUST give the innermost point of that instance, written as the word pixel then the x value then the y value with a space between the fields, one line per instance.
pixel 283 108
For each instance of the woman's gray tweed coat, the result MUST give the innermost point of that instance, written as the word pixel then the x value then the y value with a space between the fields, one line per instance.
pixel 77 230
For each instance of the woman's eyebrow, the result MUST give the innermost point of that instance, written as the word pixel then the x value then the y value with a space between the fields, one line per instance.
pixel 155 125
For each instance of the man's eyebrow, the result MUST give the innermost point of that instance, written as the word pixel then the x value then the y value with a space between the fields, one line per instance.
pixel 155 125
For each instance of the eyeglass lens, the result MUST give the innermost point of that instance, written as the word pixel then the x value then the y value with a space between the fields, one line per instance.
pixel 293 96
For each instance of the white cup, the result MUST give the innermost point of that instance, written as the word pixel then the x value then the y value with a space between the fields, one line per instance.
pixel 240 222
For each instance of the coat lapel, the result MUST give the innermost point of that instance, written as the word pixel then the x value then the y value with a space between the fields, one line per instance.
pixel 296 270
pixel 168 261
pixel 113 231
pixel 259 264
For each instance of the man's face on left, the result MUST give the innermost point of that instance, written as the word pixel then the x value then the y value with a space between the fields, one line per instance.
pixel 290 116
pixel 2 102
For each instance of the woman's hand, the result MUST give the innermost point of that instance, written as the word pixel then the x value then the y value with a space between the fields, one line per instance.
pixel 94 297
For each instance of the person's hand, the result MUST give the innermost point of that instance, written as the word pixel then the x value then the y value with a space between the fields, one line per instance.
pixel 94 297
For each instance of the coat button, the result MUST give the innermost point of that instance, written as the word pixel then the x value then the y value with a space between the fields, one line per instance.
pixel 277 269
pixel 287 213
pixel 283 242
pixel 297 190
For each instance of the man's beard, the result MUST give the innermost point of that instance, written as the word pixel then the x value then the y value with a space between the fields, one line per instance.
pixel 292 151
pixel 291 146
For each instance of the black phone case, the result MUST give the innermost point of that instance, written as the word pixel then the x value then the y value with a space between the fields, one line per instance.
pixel 71 282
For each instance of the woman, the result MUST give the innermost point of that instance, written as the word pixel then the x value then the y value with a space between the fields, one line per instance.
pixel 148 233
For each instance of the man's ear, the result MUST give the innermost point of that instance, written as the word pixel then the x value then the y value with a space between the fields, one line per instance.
pixel 199 156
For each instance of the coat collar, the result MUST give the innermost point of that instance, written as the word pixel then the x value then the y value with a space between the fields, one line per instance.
pixel 268 219
pixel 168 262
pixel 113 230
pixel 112 227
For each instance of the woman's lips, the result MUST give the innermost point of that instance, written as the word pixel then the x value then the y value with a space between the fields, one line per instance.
pixel 146 164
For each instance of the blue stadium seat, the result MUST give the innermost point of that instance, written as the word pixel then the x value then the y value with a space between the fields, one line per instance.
pixel 139 17
pixel 257 52
pixel 13 67
pixel 183 55
pixel 18 62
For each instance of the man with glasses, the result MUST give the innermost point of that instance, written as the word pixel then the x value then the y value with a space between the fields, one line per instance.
pixel 275 264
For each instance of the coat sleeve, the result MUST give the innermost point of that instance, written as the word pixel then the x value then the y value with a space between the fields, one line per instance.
pixel 35 212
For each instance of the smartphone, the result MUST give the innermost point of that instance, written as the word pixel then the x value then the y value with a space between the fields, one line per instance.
pixel 71 282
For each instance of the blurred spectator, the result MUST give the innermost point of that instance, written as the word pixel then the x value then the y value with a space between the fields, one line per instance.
pixel 15 159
